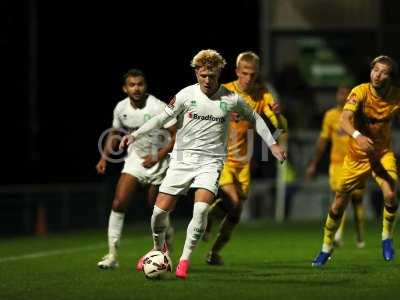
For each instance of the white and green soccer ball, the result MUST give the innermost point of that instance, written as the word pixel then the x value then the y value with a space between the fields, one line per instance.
pixel 156 264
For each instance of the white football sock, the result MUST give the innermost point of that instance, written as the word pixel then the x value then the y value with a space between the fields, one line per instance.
pixel 159 225
pixel 195 228
pixel 115 224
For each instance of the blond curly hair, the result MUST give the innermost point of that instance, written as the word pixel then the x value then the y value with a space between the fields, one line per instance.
pixel 209 58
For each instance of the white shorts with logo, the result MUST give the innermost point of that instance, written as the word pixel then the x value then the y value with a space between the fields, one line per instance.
pixel 154 175
pixel 184 174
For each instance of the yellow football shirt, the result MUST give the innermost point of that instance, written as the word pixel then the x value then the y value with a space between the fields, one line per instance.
pixel 331 130
pixel 372 118
pixel 238 152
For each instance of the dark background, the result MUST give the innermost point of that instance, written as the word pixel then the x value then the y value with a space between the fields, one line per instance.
pixel 83 50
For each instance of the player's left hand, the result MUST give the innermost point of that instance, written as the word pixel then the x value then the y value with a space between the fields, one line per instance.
pixel 278 152
pixel 149 161
pixel 275 107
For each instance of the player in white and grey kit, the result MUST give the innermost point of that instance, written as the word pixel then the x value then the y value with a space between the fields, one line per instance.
pixel 203 111
pixel 146 161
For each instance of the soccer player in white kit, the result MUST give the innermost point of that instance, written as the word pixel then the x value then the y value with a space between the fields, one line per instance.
pixel 203 111
pixel 147 159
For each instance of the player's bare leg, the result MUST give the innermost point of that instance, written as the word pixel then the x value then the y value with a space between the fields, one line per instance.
pixel 217 211
pixel 125 192
pixel 358 209
pixel 228 224
pixel 338 241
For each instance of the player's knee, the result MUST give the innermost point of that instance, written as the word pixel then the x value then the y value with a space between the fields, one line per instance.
pixel 236 208
pixel 119 204
pixel 337 209
pixel 339 203
pixel 390 197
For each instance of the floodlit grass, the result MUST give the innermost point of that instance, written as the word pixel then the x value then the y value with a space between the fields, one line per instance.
pixel 263 261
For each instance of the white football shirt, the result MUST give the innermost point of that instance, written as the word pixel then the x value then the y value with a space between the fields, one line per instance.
pixel 202 121
pixel 130 118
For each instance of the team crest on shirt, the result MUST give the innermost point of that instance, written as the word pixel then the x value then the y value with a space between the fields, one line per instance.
pixel 352 99
pixel 146 117
pixel 223 106
pixel 171 103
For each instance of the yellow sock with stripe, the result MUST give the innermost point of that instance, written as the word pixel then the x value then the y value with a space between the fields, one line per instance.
pixel 331 225
pixel 389 217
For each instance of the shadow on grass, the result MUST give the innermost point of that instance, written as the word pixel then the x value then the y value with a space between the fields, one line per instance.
pixel 290 272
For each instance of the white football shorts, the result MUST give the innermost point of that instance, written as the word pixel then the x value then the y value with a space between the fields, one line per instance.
pixel 153 175
pixel 183 175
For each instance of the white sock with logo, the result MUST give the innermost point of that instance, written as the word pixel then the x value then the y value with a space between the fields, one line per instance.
pixel 159 225
pixel 195 228
pixel 115 225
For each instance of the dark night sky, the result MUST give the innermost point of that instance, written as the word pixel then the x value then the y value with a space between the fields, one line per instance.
pixel 84 49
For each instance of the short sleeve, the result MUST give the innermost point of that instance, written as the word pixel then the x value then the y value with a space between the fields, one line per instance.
pixel 116 120
pixel 176 105
pixel 356 96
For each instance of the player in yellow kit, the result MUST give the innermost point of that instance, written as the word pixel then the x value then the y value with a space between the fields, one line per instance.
pixel 235 177
pixel 366 118
pixel 333 133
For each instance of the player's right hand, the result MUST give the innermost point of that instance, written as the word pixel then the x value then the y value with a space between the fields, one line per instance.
pixel 101 166
pixel 365 143
pixel 126 141
pixel 278 152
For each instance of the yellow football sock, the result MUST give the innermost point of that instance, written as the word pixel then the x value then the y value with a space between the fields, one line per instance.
pixel 388 223
pixel 331 225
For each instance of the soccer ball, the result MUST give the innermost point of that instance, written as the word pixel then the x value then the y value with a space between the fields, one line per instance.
pixel 156 264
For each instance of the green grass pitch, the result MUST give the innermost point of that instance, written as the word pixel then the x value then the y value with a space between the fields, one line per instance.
pixel 263 261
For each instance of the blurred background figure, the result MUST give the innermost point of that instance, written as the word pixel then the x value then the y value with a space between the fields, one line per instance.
pixel 332 133
pixel 146 162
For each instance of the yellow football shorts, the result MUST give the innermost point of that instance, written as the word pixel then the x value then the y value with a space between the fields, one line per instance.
pixel 239 176
pixel 355 172
pixel 335 172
